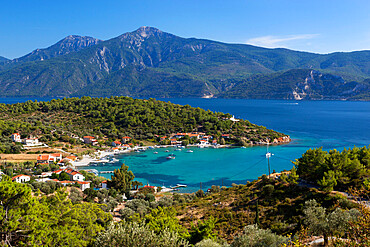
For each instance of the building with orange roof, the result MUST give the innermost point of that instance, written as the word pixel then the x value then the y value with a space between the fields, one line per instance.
pixel 21 178
pixel 116 144
pixel 71 158
pixel 90 140
pixel 16 137
pixel 49 158
pixel 73 174
pixel 163 138
pixel 126 139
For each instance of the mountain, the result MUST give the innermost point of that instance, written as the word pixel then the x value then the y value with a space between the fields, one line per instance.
pixel 297 84
pixel 3 59
pixel 69 44
pixel 152 63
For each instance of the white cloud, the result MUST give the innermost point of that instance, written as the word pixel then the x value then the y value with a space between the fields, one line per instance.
pixel 271 41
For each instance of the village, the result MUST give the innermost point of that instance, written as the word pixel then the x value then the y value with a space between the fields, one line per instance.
pixel 67 164
pixel 65 170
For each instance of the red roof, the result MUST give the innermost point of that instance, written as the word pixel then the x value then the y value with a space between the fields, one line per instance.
pixel 83 182
pixel 126 137
pixel 16 134
pixel 117 142
pixel 20 175
pixel 89 137
pixel 58 171
pixel 43 157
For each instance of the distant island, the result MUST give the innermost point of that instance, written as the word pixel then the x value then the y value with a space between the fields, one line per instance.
pixel 151 63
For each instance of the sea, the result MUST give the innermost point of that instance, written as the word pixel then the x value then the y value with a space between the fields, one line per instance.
pixel 310 124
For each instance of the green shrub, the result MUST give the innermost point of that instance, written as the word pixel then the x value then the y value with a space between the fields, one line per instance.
pixel 133 234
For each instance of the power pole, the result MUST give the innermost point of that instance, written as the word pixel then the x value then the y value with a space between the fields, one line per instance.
pixel 268 155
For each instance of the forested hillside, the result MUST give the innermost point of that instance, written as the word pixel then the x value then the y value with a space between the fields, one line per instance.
pixel 152 63
pixel 115 117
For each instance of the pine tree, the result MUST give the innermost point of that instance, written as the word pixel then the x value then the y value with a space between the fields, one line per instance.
pixel 122 179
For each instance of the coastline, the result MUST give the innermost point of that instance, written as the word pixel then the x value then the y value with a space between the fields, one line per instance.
pixel 102 156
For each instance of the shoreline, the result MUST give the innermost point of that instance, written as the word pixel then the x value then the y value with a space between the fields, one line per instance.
pixel 101 156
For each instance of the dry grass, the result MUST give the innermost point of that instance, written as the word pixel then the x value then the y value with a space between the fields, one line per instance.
pixel 18 157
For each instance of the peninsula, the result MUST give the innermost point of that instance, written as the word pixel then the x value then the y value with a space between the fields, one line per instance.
pixel 86 125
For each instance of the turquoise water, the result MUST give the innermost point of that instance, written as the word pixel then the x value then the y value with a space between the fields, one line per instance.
pixel 327 124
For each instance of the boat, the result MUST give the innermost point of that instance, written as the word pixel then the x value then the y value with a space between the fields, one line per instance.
pixel 178 149
pixel 189 151
pixel 171 156
pixel 167 151
pixel 155 152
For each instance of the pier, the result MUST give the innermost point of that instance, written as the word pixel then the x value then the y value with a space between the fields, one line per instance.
pixel 104 172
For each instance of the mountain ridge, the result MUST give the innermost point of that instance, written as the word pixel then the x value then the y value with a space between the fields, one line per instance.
pixel 151 63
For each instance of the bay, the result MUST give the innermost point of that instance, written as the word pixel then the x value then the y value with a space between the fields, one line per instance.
pixel 311 124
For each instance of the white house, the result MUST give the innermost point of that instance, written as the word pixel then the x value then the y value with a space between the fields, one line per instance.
pixel 30 141
pixel 84 185
pixel 21 178
pixel 104 184
pixel 16 137
pixel 204 142
pixel 90 140
pixel 73 174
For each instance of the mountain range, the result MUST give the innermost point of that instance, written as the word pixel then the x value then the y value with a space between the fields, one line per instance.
pixel 151 63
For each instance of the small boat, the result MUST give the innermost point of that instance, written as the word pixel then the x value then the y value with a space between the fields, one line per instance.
pixel 113 160
pixel 178 149
pixel 170 157
pixel 189 151
pixel 155 152
pixel 137 151
pixel 167 151
pixel 150 147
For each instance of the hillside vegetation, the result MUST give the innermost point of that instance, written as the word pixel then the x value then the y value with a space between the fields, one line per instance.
pixel 152 63
pixel 115 117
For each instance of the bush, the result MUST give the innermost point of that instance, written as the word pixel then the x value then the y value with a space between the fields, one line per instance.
pixel 139 206
pixel 75 195
pixel 253 237
pixel 200 193
pixel 136 234
pixel 208 243
pixel 149 197
pixel 268 189
pixel 126 213
pixel 165 202
pixel 215 189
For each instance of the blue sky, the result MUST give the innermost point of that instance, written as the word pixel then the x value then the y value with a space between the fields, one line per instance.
pixel 317 26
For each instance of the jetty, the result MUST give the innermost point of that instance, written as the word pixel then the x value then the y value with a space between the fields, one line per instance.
pixel 104 172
